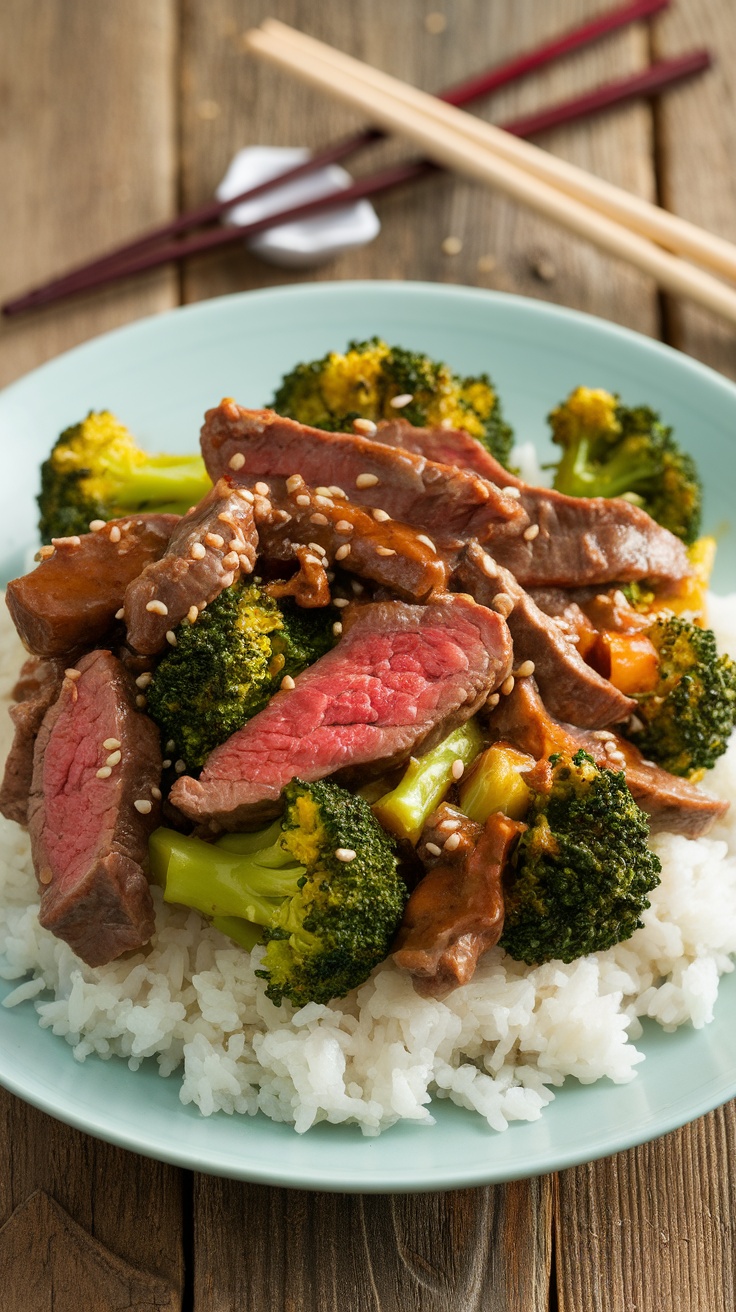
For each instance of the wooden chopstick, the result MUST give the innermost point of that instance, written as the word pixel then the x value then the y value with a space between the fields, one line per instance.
pixel 668 230
pixel 479 85
pixel 443 132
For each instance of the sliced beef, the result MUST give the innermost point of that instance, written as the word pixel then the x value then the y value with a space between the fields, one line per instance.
pixel 258 444
pixel 455 913
pixel 674 805
pixel 89 839
pixel 581 540
pixel 70 601
pixel 209 547
pixel 571 689
pixel 40 686
pixel 399 679
pixel 390 554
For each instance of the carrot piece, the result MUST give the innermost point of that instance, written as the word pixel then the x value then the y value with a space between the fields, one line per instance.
pixel 629 660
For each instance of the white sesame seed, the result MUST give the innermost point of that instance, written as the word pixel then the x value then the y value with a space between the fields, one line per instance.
pixel 340 602
pixel 493 700
pixel 245 494
pixel 226 518
pixel 237 461
pixel 114 533
pixel 452 246
pixel 95 525
pixel 45 553
pixel 142 805
pixel 345 854
pixel 503 603
pixel 458 769
pixel 142 681
pixel 227 580
pixel 104 772
pixel 171 636
pixel 303 499
pixel 192 614
pixel 71 673
pixel 318 518
pixel 166 764
pixel 508 685
pixel 316 548
pixel 422 537
pixel 380 516
pixel 433 849
pixel 610 746
pixel 366 480
pixel 488 566
pixel 450 824
pixel 197 551
pixel 385 551
pixel 514 492
pixel 482 490
pixel 357 586
pixel 157 607
pixel 525 669
pixel 398 402
pixel 365 426
pixel 156 792
pixel 344 526
pixel 140 701
pixel 120 613
pixel 322 491
pixel 604 735
pixel 293 482
pixel 531 532
pixel 321 500
pixel 231 560
pixel 74 540
pixel 214 540
pixel 574 638
pixel 114 758
pixel 170 746
pixel 110 745
pixel 262 489
pixel 452 842
pixel 337 628
pixel 287 683
pixel 335 491
pixel 180 766
pixel 342 551
pixel 309 559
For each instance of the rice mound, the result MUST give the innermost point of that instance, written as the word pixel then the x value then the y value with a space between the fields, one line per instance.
pixel 498 1046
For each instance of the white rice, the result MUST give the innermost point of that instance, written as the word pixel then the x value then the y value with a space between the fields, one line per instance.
pixel 498 1046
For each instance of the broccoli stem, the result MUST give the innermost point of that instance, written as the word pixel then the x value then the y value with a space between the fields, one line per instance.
pixel 218 882
pixel 242 932
pixel 405 810
pixel 579 476
pixel 174 481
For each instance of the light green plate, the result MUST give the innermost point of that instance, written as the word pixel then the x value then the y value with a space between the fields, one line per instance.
pixel 159 376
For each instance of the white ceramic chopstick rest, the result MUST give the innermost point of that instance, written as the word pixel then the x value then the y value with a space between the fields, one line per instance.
pixel 304 242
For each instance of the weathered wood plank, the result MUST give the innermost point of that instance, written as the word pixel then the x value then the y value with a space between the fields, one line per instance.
pixel 696 129
pixel 653 1228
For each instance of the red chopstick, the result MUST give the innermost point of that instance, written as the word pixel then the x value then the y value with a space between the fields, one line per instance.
pixel 79 277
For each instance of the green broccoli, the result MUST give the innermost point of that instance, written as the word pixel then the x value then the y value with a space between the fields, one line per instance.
pixel 324 887
pixel 96 471
pixel 612 451
pixel 228 663
pixel 405 810
pixel 579 878
pixel 330 393
pixel 689 715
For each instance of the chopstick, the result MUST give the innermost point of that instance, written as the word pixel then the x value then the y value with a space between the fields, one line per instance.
pixel 463 93
pixel 112 268
pixel 598 212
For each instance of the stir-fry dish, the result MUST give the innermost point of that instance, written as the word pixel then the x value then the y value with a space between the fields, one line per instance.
pixel 355 693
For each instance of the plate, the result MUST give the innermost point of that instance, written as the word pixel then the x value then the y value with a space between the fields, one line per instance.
pixel 159 375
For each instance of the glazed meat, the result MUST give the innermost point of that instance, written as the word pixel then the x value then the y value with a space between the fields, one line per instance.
pixel 400 678
pixel 91 810
pixel 209 547
pixel 39 684
pixel 71 600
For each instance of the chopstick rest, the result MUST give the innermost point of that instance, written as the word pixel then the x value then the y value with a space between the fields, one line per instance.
pixel 301 243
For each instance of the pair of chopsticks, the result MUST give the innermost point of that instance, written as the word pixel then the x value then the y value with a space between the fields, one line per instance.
pixel 650 238
pixel 164 243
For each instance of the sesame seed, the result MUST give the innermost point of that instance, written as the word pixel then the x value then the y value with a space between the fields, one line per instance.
pixel 95 525
pixel 321 500
pixel 45 553
pixel 380 516
pixel 365 426
pixel 366 480
pixel 574 638
pixel 514 492
pixel 140 701
pixel 482 489
pixel 197 551
pixel 225 518
pixel 114 533
pixel 180 766
pixel 142 681
pixel 340 602
pixel 156 792
pixel 337 628
pixel 488 566
pixel 231 560
pixel 171 636
pixel 227 580
pixel 450 824
pixel 120 613
pixel 71 673
pixel 345 854
pixel 303 499
pixel 525 669
pixel 309 559
pixel 422 537
pixel 604 735
pixel 317 549
pixel 458 769
pixel 114 758
pixel 357 587
pixel 237 461
pixel 335 491
pixel 293 482
pixel 342 551
pixel 322 491
pixel 166 764
pixel 246 495
pixel 610 746
pixel 503 603
pixel 157 607
pixel 214 540
pixel 110 744
pixel 74 540
pixel 344 526
pixel 287 683
pixel 104 772
pixel 385 551
pixel 170 746
pixel 318 518
pixel 262 489
pixel 508 685
pixel 531 532
pixel 493 700
pixel 142 805
pixel 452 246
pixel 433 849
pixel 46 875
pixel 452 842
pixel 192 614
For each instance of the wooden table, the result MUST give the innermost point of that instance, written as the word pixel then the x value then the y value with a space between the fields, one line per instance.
pixel 113 116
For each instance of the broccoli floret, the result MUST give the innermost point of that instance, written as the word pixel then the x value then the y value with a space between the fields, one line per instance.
pixel 326 919
pixel 228 663
pixel 610 450
pixel 330 393
pixel 97 471
pixel 689 715
pixel 579 878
